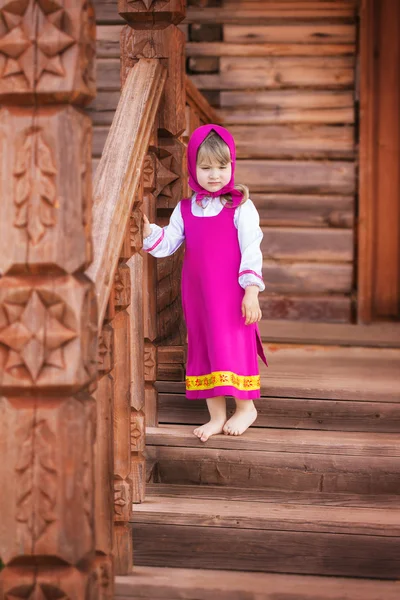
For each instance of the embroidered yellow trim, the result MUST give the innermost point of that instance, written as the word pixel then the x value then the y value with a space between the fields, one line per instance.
pixel 219 378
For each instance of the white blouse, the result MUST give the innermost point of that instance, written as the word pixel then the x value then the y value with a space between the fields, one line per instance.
pixel 165 241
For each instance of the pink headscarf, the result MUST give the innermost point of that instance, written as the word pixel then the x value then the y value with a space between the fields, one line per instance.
pixel 198 136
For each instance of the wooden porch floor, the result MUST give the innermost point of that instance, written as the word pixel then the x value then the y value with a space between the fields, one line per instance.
pixel 160 583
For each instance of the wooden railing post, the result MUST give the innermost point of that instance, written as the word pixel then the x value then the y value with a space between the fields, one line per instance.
pixel 48 315
pixel 104 463
pixel 137 397
pixel 150 297
pixel 117 224
pixel 152 33
pixel 123 489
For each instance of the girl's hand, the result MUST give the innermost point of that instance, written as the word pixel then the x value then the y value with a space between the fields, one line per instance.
pixel 250 305
pixel 146 227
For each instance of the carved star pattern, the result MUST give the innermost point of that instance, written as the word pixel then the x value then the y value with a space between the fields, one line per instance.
pixel 164 176
pixel 35 335
pixel 35 40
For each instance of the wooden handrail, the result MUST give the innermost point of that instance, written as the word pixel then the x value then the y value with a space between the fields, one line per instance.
pixel 118 174
pixel 197 101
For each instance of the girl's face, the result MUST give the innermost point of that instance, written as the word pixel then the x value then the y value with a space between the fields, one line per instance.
pixel 212 176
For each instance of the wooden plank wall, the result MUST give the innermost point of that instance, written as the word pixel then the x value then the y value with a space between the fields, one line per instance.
pixel 282 75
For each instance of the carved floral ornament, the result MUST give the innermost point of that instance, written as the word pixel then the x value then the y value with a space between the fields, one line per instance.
pixel 34 39
pixel 35 195
pixel 37 481
pixel 35 330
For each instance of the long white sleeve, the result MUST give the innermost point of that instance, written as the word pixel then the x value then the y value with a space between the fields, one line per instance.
pixel 250 234
pixel 164 241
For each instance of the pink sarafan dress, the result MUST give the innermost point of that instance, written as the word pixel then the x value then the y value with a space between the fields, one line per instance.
pixel 222 350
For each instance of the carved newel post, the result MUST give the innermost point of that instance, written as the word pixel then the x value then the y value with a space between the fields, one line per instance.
pixel 152 33
pixel 48 315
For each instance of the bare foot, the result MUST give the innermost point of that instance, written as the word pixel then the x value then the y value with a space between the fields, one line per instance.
pixel 213 427
pixel 241 420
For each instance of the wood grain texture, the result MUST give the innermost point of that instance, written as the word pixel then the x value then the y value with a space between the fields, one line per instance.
pixel 307 277
pixel 296 413
pixel 198 103
pixel 248 48
pixel 316 34
pixel 376 335
pixel 283 106
pixel 308 177
pixel 162 583
pixel 293 141
pixel 253 514
pixel 321 245
pixel 282 471
pixel 287 498
pixel 118 173
pixel 253 14
pixel 296 552
pixel 313 443
pixel 250 12
pixel 270 106
pixel 276 72
pixel 304 210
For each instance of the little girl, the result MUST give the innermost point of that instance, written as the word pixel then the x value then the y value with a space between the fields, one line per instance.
pixel 221 279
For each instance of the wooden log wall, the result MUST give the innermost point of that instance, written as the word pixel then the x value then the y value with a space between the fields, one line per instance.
pixel 48 314
pixel 282 78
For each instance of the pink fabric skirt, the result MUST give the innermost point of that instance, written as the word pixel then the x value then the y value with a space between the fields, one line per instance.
pixel 222 351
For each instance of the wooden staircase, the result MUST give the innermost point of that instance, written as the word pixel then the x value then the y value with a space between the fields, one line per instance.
pixel 312 490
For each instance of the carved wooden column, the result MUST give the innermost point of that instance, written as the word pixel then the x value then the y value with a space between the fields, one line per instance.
pixel 152 33
pixel 48 314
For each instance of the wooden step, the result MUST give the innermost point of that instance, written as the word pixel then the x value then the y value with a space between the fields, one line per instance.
pixel 253 535
pixel 162 583
pixel 293 413
pixel 287 497
pixel 375 335
pixel 281 459
pixel 330 372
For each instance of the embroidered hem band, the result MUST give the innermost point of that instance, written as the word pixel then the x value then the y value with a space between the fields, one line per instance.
pixel 223 378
